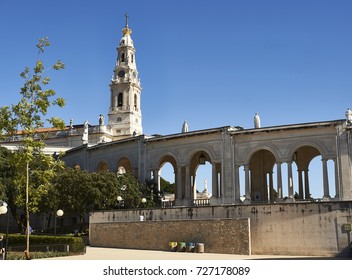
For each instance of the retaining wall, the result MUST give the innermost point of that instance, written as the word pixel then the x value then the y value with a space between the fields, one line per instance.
pixel 230 236
pixel 310 229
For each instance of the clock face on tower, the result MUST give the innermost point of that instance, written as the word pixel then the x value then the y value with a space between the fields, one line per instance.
pixel 121 73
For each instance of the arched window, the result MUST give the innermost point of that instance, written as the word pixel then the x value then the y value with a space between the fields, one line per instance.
pixel 132 58
pixel 123 57
pixel 120 100
pixel 135 102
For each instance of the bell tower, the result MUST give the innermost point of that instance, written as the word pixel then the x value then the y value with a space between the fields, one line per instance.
pixel 125 116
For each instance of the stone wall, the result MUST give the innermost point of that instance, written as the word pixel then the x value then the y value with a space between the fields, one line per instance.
pixel 311 229
pixel 228 236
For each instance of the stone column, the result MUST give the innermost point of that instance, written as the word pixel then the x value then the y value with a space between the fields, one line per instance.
pixel 247 182
pixel 289 179
pixel 115 101
pixel 325 179
pixel 237 184
pixel 179 183
pixel 300 184
pixel 188 183
pixel 279 180
pixel 214 179
pixel 337 185
pixel 271 186
pixel 306 185
pixel 148 175
pixel 156 175
pixel 194 186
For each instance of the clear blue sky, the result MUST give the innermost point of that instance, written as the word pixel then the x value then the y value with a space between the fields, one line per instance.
pixel 212 63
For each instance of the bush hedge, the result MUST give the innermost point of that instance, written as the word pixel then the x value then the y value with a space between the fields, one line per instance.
pixel 76 244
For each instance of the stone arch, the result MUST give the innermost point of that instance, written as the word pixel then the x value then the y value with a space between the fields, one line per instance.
pixel 272 149
pixel 261 167
pixel 124 165
pixel 215 176
pixel 196 151
pixel 170 158
pixel 102 166
pixel 303 155
pixel 318 146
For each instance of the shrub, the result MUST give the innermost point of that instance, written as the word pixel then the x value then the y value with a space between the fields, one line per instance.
pixel 44 246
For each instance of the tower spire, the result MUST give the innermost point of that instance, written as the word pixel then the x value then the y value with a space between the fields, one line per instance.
pixel 126 30
pixel 125 116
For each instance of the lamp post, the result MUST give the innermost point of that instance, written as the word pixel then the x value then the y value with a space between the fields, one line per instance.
pixel 144 200
pixel 3 207
pixel 59 213
pixel 119 200
pixel 3 211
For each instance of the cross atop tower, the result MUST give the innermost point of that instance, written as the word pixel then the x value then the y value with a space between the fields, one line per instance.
pixel 126 15
pixel 126 30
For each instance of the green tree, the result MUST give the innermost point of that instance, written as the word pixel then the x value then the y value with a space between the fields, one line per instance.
pixel 7 177
pixel 13 193
pixel 77 193
pixel 154 195
pixel 130 190
pixel 166 186
pixel 25 118
pixel 108 186
pixel 7 173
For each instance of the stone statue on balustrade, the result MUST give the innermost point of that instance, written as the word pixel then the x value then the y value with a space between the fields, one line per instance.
pixel 85 133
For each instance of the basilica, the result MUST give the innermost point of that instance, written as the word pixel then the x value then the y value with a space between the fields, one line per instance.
pixel 268 156
pixel 260 176
pixel 259 164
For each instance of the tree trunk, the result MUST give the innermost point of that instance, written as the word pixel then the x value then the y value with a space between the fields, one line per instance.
pixel 27 213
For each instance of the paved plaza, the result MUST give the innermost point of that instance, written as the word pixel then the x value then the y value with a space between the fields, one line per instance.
pixel 98 253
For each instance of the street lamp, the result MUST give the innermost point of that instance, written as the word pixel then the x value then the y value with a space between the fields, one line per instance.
pixel 3 210
pixel 59 213
pixel 144 200
pixel 3 207
pixel 119 200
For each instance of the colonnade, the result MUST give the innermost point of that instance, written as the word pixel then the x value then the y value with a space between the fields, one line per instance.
pixel 227 182
pixel 303 189
pixel 185 179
